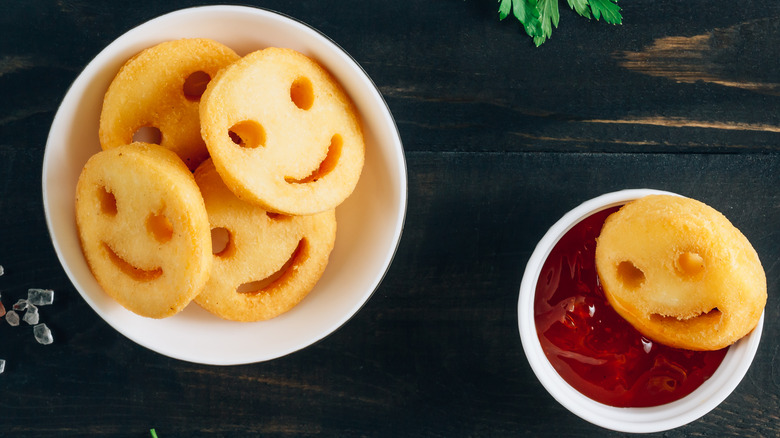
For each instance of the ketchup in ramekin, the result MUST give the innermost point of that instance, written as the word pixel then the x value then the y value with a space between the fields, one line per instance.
pixel 591 347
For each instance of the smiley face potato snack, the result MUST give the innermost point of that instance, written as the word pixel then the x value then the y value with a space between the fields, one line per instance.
pixel 160 89
pixel 680 273
pixel 287 149
pixel 282 133
pixel 264 263
pixel 143 228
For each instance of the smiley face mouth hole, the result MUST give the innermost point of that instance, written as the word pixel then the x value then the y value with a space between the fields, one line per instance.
pixel 710 317
pixel 267 284
pixel 128 269
pixel 326 166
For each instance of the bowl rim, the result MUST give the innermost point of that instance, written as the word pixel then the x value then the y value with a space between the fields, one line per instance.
pixel 396 151
pixel 630 420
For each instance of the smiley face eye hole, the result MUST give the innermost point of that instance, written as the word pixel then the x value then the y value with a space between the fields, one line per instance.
pixel 247 134
pixel 107 202
pixel 690 265
pixel 159 227
pixel 221 242
pixel 195 85
pixel 631 276
pixel 148 134
pixel 302 93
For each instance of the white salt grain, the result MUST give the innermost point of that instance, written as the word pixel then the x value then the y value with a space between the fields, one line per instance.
pixel 2 271
pixel 12 318
pixel 2 365
pixel 20 305
pixel 40 297
pixel 31 315
pixel 42 334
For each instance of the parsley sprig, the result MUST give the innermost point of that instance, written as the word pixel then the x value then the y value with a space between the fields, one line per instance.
pixel 538 17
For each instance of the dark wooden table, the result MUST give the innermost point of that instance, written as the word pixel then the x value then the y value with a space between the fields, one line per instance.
pixel 501 138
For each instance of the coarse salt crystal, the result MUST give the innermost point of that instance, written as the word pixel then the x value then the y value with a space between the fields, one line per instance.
pixel 12 318
pixel 40 297
pixel 43 334
pixel 2 365
pixel 31 315
pixel 20 305
pixel 2 271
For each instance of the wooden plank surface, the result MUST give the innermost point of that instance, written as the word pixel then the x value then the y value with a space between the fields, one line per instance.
pixel 501 139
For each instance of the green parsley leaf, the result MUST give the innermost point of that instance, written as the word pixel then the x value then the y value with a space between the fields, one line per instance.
pixel 504 8
pixel 539 17
pixel 153 433
pixel 548 18
pixel 608 9
pixel 525 11
pixel 580 6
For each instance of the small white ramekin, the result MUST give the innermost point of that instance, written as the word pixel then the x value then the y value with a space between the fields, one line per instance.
pixel 633 420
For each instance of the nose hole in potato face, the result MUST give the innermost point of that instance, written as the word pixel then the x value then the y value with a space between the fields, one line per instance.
pixel 302 93
pixel 195 85
pixel 690 265
pixel 107 202
pixel 630 275
pixel 221 242
pixel 159 227
pixel 247 134
pixel 148 134
pixel 298 256
pixel 327 165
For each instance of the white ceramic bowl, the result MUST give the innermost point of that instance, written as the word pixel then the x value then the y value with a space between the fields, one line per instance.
pixel 634 420
pixel 370 221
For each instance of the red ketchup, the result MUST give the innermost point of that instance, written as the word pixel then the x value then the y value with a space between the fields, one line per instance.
pixel 595 350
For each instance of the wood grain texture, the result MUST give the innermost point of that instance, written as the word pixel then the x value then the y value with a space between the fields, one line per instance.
pixel 501 139
pixel 742 56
